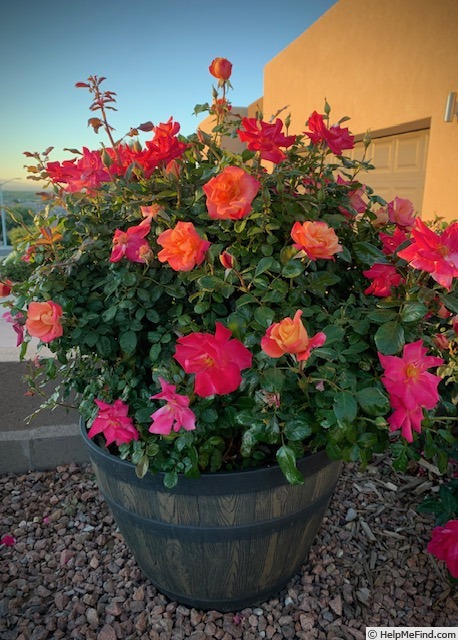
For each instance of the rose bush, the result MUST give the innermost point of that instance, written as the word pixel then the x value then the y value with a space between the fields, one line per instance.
pixel 214 310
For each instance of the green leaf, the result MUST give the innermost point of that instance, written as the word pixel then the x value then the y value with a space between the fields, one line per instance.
pixel 449 502
pixel 273 380
pixel 293 269
pixel 154 352
pixel 109 314
pixel 286 459
pixel 369 254
pixel 372 401
pixel 345 407
pixel 103 346
pixel 209 415
pixel 209 283
pixel 413 311
pixel 141 468
pixel 264 316
pixel 380 316
pixel 450 301
pixel 297 430
pixel 128 342
pixel 170 479
pixel 246 298
pixel 333 334
pixel 91 338
pixel 245 417
pixel 389 338
pixel 129 279
pixel 320 281
pixel 264 265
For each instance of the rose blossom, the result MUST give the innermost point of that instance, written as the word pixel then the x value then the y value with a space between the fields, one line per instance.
pixel 151 212
pixel 435 253
pixel 132 243
pixel 336 138
pixel 444 545
pixel 392 242
pixel 221 69
pixel 384 277
pixel 401 212
pixel 217 360
pixel 411 386
pixel 175 414
pixel 230 194
pixel 290 336
pixel 18 321
pixel 43 320
pixel 317 239
pixel 112 420
pixel 183 247
pixel 266 138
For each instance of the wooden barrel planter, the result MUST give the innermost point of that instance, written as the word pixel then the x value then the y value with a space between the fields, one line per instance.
pixel 224 541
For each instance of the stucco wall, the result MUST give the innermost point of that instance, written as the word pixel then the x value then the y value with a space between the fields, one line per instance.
pixel 233 144
pixel 384 63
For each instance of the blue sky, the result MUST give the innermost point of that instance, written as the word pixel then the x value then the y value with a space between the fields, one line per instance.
pixel 154 53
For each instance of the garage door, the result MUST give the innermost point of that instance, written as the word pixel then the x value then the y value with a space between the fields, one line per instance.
pixel 400 165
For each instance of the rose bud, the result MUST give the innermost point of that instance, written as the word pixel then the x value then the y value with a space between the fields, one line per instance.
pixel 441 341
pixel 221 69
pixel 227 260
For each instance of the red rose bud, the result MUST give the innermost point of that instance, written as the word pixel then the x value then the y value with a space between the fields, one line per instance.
pixel 5 288
pixel 227 260
pixel 173 169
pixel 221 68
pixel 441 341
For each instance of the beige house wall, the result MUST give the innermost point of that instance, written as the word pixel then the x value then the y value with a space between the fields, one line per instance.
pixel 233 144
pixel 389 65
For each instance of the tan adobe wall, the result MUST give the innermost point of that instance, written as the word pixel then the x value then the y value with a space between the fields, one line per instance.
pixel 386 64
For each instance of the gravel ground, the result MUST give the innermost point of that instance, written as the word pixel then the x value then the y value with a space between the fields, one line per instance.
pixel 69 574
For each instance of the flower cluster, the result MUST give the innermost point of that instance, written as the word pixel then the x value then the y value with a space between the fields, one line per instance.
pixel 217 310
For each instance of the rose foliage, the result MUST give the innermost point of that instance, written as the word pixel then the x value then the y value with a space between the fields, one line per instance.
pixel 213 310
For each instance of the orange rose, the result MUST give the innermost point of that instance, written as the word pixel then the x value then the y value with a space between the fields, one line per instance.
pixel 230 194
pixel 221 68
pixel 290 336
pixel 183 247
pixel 43 320
pixel 317 239
pixel 151 212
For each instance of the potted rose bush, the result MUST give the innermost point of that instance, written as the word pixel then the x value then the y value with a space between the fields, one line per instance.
pixel 215 312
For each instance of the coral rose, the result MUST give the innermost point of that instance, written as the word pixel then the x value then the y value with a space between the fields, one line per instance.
pixel 230 194
pixel 221 69
pixel 43 320
pixel 290 336
pixel 317 239
pixel 216 360
pixel 183 247
pixel 401 212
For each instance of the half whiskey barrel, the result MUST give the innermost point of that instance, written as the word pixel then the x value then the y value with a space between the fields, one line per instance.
pixel 224 541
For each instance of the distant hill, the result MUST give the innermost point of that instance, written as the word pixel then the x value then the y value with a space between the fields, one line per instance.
pixel 21 185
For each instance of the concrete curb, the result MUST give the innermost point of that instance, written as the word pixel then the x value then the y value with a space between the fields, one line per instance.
pixel 41 448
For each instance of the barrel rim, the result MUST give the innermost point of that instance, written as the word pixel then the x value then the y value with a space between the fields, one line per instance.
pixel 260 478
